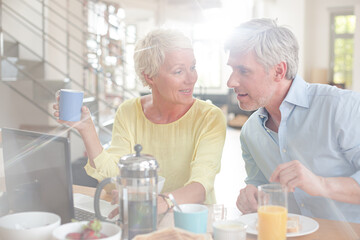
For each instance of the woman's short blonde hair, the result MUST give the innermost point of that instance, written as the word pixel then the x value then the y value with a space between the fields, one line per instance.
pixel 149 53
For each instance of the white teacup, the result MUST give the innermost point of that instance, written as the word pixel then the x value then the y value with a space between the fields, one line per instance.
pixel 229 230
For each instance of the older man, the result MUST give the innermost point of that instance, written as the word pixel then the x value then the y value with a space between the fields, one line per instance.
pixel 305 136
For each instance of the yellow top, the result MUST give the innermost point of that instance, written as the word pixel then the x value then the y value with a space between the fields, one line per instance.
pixel 187 150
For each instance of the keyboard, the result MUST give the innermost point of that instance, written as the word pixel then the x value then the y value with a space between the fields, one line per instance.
pixel 84 207
pixel 83 215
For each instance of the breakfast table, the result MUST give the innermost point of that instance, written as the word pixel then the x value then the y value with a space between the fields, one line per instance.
pixel 328 229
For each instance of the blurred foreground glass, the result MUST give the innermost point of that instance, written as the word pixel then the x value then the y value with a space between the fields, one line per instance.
pixel 218 212
pixel 272 212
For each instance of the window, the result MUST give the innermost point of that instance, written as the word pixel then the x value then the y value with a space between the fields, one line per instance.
pixel 342 48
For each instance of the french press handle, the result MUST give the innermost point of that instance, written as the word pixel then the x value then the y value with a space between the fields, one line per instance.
pixel 98 191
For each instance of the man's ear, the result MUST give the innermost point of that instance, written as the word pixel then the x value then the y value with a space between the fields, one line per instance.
pixel 148 79
pixel 280 71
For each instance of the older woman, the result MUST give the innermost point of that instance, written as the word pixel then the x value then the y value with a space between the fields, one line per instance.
pixel 184 134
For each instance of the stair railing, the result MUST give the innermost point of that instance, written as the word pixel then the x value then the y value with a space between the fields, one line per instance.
pixel 38 106
pixel 58 70
pixel 34 102
pixel 80 60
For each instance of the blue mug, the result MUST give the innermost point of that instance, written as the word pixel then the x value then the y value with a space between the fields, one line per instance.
pixel 70 105
pixel 193 218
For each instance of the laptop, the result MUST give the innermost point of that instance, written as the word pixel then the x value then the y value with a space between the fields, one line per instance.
pixel 38 175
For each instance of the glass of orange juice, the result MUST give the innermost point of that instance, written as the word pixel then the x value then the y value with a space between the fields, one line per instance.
pixel 272 212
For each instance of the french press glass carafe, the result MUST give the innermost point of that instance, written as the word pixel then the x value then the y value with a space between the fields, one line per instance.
pixel 137 186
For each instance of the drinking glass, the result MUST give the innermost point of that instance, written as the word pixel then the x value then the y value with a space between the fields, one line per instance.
pixel 218 212
pixel 272 212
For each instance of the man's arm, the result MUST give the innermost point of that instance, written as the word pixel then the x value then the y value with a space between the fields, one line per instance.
pixel 294 174
pixel 247 199
pixel 343 189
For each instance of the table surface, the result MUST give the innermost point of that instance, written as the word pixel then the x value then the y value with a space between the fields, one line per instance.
pixel 328 229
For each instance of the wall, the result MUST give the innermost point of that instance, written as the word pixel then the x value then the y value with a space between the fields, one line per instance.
pixel 16 111
pixel 289 13
pixel 317 32
pixel 310 22
pixel 192 17
pixel 66 52
pixel 14 14
pixel 356 72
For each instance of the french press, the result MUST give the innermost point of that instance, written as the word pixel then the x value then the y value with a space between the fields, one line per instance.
pixel 137 186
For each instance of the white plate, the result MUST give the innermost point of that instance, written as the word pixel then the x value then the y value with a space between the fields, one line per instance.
pixel 308 225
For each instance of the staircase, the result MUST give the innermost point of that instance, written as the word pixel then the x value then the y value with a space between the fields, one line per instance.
pixel 47 45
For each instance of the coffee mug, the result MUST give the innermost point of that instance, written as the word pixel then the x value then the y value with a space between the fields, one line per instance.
pixel 193 218
pixel 70 104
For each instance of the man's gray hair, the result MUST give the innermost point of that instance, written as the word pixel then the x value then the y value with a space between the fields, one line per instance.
pixel 149 53
pixel 271 44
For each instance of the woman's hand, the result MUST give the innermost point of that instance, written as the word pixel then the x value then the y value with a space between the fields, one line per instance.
pixel 82 125
pixel 114 201
pixel 87 130
pixel 162 206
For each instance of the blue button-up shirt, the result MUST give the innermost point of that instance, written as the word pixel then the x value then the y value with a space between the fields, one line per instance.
pixel 320 127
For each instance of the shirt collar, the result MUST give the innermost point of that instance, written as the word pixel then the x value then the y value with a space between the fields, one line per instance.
pixel 263 114
pixel 297 94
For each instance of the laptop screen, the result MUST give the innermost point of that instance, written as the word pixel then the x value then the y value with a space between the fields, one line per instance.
pixel 38 172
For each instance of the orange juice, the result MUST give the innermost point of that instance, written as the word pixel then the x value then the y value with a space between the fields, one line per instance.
pixel 272 222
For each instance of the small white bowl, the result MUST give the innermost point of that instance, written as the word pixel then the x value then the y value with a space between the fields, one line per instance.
pixel 229 230
pixel 28 225
pixel 161 181
pixel 111 230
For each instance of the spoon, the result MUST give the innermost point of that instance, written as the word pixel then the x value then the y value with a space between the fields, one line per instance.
pixel 174 202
